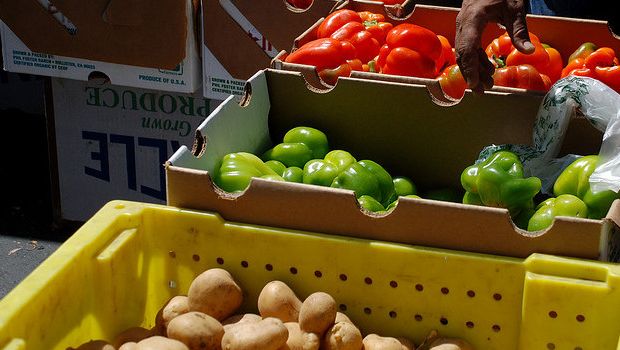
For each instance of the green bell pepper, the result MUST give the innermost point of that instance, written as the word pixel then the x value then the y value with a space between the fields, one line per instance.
pixel 313 138
pixel 276 166
pixel 237 170
pixel 575 180
pixel 357 178
pixel 319 172
pixel 340 159
pixel 404 186
pixel 498 182
pixel 370 204
pixel 293 174
pixel 289 154
pixel 386 184
pixel 563 205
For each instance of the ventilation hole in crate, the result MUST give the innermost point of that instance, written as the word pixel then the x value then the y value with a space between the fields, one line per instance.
pixel 393 284
pixel 469 324
pixel 393 314
pixel 293 270
pixel 368 280
pixel 419 287
pixel 418 317
pixel 343 277
pixel 497 296
pixel 496 328
pixel 553 314
pixel 471 293
pixel 581 318
pixel 119 206
pixel 445 290
pixel 342 307
pixel 367 310
pixel 269 267
pixel 550 346
pixel 196 257
pixel 244 263
pixel 318 274
pixel 443 321
pixel 220 261
pixel 172 254
pixel 578 348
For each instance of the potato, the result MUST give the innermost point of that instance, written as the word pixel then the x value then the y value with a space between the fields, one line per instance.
pixel 317 313
pixel 342 336
pixel 340 317
pixel 375 342
pixel 134 334
pixel 161 343
pixel 279 301
pixel 300 340
pixel 129 346
pixel 268 334
pixel 176 306
pixel 94 345
pixel 450 344
pixel 215 293
pixel 235 320
pixel 196 330
pixel 406 343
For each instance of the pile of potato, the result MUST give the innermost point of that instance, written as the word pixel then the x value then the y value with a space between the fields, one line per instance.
pixel 206 319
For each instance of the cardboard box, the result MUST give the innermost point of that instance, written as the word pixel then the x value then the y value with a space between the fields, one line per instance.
pixel 441 20
pixel 131 43
pixel 400 127
pixel 111 142
pixel 241 37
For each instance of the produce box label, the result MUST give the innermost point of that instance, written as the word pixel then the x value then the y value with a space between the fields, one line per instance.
pixel 112 142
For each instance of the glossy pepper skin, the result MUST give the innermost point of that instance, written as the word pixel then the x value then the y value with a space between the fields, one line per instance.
pixel 598 63
pixel 452 82
pixel 370 204
pixel 498 182
pixel 563 205
pixel 237 170
pixel 410 50
pixel 523 76
pixel 545 61
pixel 323 171
pixel 575 180
pixel 300 145
pixel 366 31
pixel 332 58
pixel 366 178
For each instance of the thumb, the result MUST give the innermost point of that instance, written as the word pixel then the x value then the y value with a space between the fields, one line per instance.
pixel 517 30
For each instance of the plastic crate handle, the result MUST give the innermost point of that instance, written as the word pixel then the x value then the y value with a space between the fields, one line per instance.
pixel 572 268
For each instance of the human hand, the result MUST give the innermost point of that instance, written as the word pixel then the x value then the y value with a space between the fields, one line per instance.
pixel 470 23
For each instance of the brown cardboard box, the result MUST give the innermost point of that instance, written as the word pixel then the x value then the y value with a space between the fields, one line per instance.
pixel 241 37
pixel 400 127
pixel 138 43
pixel 441 20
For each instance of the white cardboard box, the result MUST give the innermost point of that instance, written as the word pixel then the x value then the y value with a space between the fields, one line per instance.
pixel 112 142
pixel 185 78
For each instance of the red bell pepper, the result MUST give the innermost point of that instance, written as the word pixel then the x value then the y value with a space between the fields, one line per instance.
pixel 545 60
pixel 447 57
pixel 365 30
pixel 452 82
pixel 598 63
pixel 332 58
pixel 410 50
pixel 523 76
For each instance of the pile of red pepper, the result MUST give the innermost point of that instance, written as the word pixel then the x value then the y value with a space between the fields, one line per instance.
pixel 349 41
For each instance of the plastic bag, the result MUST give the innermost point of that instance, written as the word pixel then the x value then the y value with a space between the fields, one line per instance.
pixel 599 104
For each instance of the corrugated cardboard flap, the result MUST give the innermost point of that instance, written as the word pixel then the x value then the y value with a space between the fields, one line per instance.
pixel 137 32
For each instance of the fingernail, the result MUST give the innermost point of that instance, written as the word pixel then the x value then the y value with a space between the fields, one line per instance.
pixel 528 45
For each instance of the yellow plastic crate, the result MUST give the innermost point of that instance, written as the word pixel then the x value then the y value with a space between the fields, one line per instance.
pixel 125 262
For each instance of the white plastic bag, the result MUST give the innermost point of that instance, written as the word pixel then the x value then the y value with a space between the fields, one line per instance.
pixel 599 104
